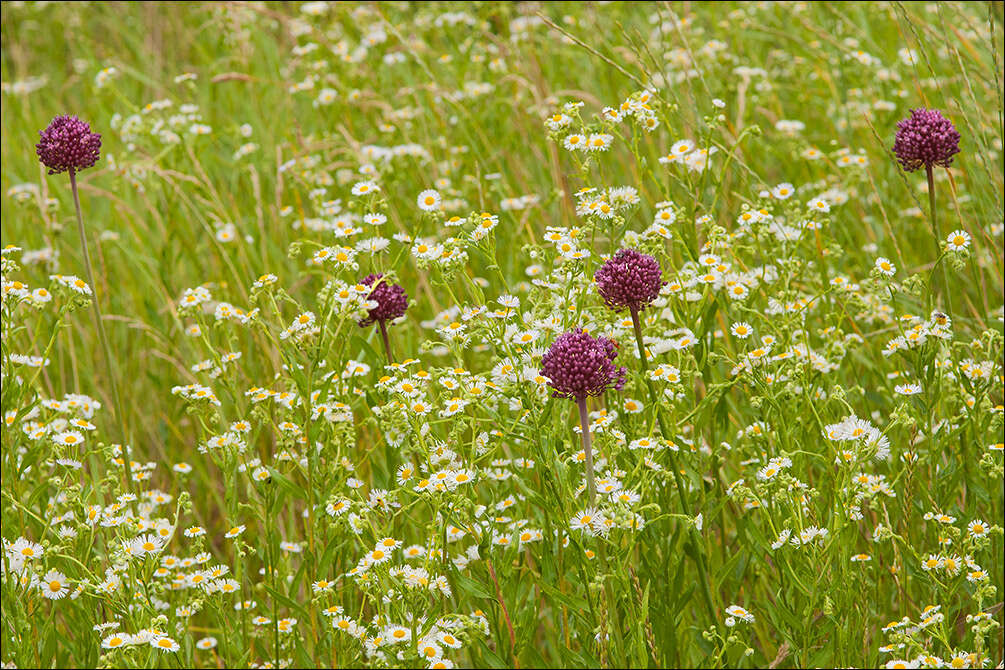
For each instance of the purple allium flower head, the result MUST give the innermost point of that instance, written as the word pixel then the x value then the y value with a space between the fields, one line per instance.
pixel 392 301
pixel 629 279
pixel 579 365
pixel 925 139
pixel 68 143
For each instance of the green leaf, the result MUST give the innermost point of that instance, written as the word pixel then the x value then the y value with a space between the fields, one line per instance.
pixel 303 658
pixel 287 485
pixel 366 351
pixel 293 605
pixel 579 659
pixel 576 603
pixel 724 571
pixel 491 658
pixel 531 658
pixel 471 587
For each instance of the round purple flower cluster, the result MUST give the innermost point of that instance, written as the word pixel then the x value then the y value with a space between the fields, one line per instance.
pixel 926 138
pixel 392 301
pixel 68 144
pixel 579 365
pixel 629 279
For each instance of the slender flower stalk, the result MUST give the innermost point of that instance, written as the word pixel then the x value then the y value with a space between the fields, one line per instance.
pixel 387 342
pixel 98 320
pixel 391 303
pixel 678 479
pixel 640 343
pixel 937 236
pixel 584 424
pixel 932 212
pixel 577 366
pixel 68 145
pixel 632 280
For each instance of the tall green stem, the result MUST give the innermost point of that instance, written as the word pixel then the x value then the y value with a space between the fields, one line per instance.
pixel 95 303
pixel 387 342
pixel 930 173
pixel 931 209
pixel 591 487
pixel 584 422
pixel 639 342
pixel 699 552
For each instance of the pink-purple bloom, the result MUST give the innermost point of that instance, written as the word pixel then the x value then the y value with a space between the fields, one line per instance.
pixel 68 144
pixel 925 139
pixel 391 299
pixel 579 365
pixel 630 279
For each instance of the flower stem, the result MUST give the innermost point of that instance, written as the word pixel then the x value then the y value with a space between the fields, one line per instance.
pixel 699 553
pixel 931 209
pixel 117 409
pixel 584 422
pixel 502 603
pixel 638 339
pixel 930 173
pixel 387 342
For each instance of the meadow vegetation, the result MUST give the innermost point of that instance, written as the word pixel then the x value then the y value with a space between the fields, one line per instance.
pixel 494 334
